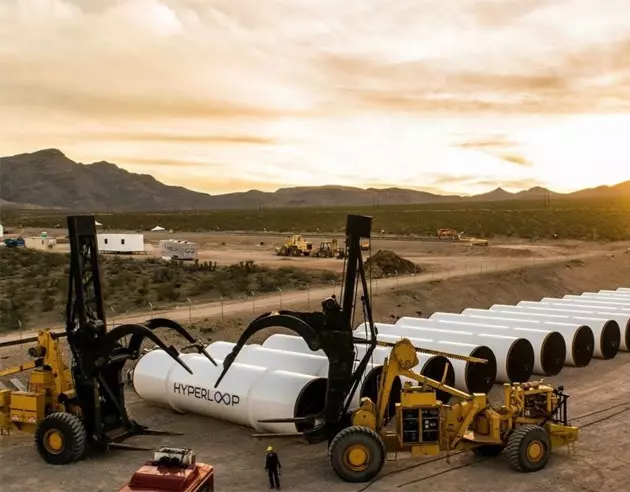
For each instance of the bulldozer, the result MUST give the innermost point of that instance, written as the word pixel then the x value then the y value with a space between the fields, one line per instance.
pixel 295 245
pixel 71 408
pixel 532 419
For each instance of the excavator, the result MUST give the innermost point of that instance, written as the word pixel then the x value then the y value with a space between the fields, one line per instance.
pixel 71 409
pixel 531 420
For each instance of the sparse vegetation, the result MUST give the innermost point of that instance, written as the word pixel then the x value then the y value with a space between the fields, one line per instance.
pixel 33 284
pixel 568 218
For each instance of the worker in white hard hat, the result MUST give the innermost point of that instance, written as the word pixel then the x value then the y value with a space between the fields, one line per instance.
pixel 272 465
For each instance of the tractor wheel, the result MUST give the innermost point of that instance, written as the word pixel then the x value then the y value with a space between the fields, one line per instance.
pixel 529 448
pixel 357 454
pixel 488 451
pixel 61 438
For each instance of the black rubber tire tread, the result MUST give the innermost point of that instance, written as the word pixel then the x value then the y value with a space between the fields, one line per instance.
pixel 488 451
pixel 517 448
pixel 368 438
pixel 74 435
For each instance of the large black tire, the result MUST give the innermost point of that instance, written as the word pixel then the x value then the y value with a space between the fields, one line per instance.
pixel 529 448
pixel 61 438
pixel 357 454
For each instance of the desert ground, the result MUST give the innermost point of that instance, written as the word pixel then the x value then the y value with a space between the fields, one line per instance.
pixel 455 278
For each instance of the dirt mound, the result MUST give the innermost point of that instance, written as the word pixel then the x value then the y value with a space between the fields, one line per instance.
pixel 386 263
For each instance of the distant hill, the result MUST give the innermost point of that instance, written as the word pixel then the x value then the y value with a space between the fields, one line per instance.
pixel 49 179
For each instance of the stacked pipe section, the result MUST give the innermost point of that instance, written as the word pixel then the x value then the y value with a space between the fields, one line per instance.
pixel 247 394
pixel 606 331
pixel 434 367
pixel 619 313
pixel 468 376
pixel 550 347
pixel 514 355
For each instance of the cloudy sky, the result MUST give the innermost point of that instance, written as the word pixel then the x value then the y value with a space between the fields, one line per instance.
pixel 228 95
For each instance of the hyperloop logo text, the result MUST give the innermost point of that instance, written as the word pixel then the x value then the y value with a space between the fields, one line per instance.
pixel 206 394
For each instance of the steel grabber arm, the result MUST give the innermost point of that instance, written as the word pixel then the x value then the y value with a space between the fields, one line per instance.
pixel 292 320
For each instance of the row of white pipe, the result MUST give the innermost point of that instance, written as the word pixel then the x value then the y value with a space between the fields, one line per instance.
pixel 284 378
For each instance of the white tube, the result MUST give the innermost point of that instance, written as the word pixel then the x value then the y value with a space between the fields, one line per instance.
pixel 246 395
pixel 256 355
pixel 469 376
pixel 579 338
pixel 514 355
pixel 622 299
pixel 614 293
pixel 550 348
pixel 621 316
pixel 606 331
pixel 624 290
pixel 600 300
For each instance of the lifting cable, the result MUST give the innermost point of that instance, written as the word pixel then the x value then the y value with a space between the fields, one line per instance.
pixel 464 465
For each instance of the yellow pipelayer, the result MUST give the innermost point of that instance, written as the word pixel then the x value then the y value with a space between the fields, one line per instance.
pixel 531 421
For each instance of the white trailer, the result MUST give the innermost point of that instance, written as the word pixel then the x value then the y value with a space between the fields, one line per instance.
pixel 120 243
pixel 178 249
pixel 42 242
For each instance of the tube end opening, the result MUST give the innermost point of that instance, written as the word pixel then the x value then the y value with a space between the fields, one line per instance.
pixel 583 346
pixel 434 369
pixel 310 401
pixel 610 339
pixel 481 377
pixel 370 388
pixel 553 354
pixel 520 361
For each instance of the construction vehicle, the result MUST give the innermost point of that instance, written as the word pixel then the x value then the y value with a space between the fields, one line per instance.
pixel 450 234
pixel 50 377
pixel 532 416
pixel 365 245
pixel 173 470
pixel 531 421
pixel 295 245
pixel 90 412
pixel 327 249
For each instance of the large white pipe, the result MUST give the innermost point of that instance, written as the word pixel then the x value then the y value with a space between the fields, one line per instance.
pixel 606 331
pixel 579 338
pixel 621 316
pixel 614 292
pixel 550 347
pixel 604 301
pixel 606 297
pixel 469 376
pixel 256 355
pixel 246 394
pixel 624 290
pixel 430 366
pixel 514 355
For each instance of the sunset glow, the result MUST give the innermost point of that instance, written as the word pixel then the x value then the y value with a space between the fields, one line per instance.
pixel 229 95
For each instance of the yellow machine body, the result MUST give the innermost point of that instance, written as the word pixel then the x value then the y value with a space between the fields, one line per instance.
pixel 424 426
pixel 295 245
pixel 50 378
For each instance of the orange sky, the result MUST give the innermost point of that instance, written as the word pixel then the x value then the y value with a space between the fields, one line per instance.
pixel 228 95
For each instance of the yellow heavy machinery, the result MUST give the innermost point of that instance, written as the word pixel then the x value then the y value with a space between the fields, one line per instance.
pixel 295 245
pixel 450 234
pixel 51 378
pixel 328 249
pixel 531 421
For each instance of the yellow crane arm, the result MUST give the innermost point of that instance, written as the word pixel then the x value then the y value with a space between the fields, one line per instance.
pixel 402 358
pixel 21 368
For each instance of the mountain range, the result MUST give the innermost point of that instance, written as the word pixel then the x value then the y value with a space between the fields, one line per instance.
pixel 48 179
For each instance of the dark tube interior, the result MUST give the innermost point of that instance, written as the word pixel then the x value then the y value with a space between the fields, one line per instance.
pixel 311 400
pixel 553 354
pixel 610 339
pixel 520 361
pixel 583 346
pixel 627 335
pixel 481 377
pixel 370 386
pixel 434 369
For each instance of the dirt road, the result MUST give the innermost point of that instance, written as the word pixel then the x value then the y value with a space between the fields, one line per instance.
pixel 303 297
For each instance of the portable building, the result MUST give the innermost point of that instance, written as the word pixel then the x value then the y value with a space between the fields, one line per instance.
pixel 178 249
pixel 120 243
pixel 40 242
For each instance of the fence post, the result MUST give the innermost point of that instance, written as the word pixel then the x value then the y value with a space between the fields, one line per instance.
pixel 189 311
pixel 253 301
pixel 151 306
pixel 221 307
pixel 280 290
pixel 308 295
pixel 113 316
